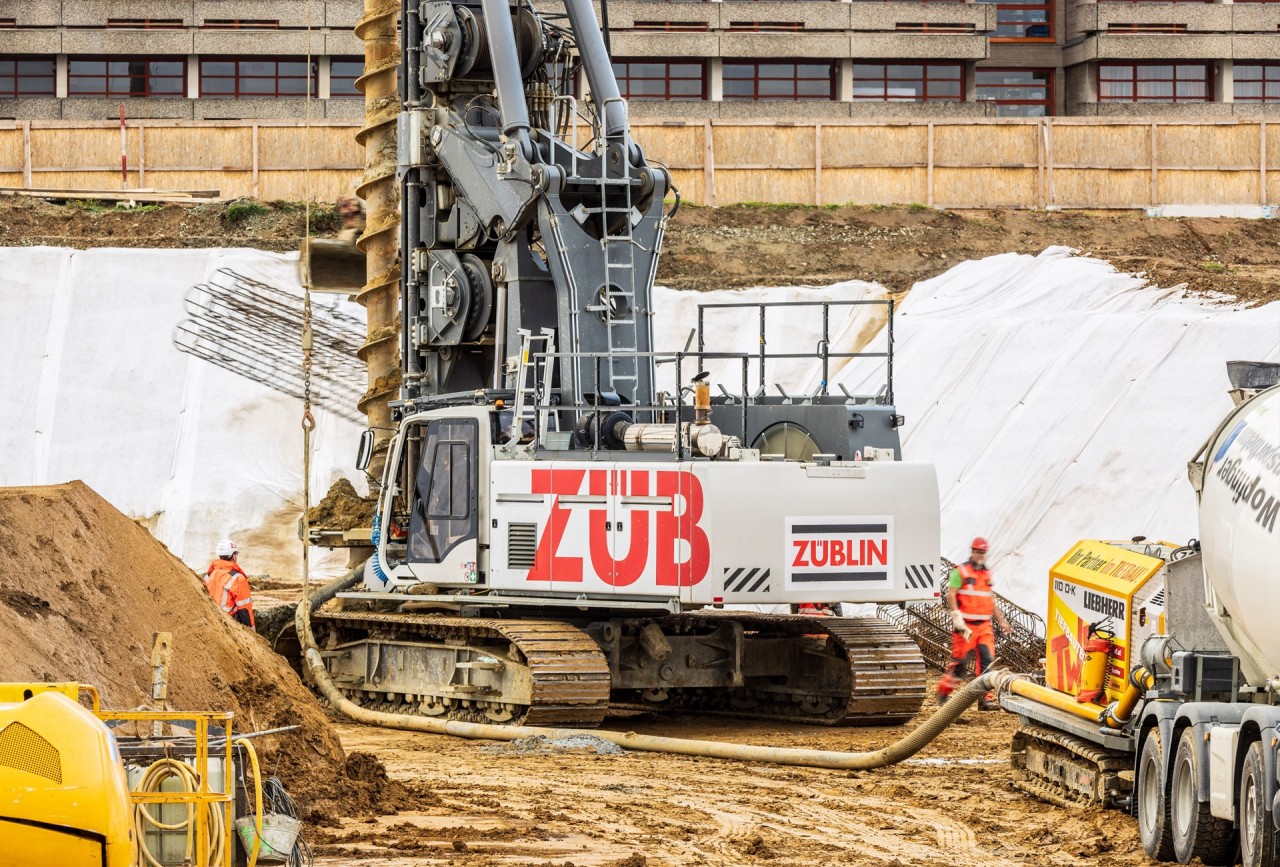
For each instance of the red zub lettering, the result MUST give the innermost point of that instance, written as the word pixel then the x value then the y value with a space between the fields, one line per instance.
pixel 624 572
pixel 673 528
pixel 547 565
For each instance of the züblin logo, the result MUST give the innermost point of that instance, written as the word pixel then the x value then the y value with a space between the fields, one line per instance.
pixel 1250 490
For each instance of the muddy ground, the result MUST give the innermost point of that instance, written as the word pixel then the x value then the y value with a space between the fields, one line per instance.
pixel 764 245
pixel 953 804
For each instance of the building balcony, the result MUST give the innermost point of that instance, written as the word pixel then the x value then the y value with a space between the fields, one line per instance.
pixel 151 43
pixel 911 46
pixel 1174 46
pixel 30 42
pixel 241 42
pixel 96 13
pixel 890 17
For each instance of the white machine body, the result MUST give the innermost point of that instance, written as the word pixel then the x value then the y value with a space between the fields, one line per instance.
pixel 691 532
pixel 1240 532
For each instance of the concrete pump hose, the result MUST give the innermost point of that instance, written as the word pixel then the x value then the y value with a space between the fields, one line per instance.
pixel 896 752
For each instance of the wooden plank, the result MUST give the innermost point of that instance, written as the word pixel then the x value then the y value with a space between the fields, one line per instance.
pixel 142 156
pixel 26 153
pixel 709 164
pixel 1155 167
pixel 817 164
pixel 929 171
pixel 1262 163
pixel 1051 193
pixel 255 161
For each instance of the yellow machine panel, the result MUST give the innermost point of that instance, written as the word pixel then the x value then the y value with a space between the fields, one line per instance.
pixel 1104 587
pixel 63 795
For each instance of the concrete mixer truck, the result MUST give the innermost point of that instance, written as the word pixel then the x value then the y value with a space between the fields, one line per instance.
pixel 1161 693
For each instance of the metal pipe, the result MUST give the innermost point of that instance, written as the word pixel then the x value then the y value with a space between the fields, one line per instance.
pixel 506 72
pixel 608 101
pixel 1119 712
pixel 1054 699
pixel 380 241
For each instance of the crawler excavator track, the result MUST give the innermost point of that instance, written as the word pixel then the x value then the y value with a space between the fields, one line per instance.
pixel 818 671
pixel 1068 771
pixel 518 672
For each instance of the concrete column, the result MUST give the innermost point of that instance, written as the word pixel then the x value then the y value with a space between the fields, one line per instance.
pixel 193 77
pixel 970 81
pixel 60 78
pixel 1224 82
pixel 324 81
pixel 844 79
pixel 715 79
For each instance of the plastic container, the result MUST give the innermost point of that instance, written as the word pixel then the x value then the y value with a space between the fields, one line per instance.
pixel 279 834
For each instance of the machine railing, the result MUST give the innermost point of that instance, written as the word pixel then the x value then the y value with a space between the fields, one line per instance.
pixel 822 352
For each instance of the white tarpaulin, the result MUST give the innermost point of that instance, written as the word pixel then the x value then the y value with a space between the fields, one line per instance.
pixel 94 389
pixel 1059 400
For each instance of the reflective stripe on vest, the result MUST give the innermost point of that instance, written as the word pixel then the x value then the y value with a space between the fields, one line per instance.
pixel 974 596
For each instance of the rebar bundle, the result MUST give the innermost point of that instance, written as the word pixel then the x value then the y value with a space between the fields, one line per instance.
pixel 929 623
pixel 254 330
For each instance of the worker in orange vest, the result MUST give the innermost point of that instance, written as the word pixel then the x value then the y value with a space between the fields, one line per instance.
pixel 972 602
pixel 813 609
pixel 228 586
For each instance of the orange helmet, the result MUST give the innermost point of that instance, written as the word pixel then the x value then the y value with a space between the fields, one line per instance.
pixel 979 544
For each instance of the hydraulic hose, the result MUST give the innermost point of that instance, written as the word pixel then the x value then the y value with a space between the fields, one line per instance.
pixel 257 798
pixel 901 749
pixel 152 780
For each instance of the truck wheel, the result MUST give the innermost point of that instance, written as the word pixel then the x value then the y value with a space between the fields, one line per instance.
pixel 1259 841
pixel 1153 800
pixel 1197 833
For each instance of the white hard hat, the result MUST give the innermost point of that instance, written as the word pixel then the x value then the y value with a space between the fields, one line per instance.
pixel 226 548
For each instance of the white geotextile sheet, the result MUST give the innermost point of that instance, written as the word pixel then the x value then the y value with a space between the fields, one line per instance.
pixel 1058 399
pixel 93 389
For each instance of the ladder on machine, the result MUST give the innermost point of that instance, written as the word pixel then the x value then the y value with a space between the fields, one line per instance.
pixel 534 372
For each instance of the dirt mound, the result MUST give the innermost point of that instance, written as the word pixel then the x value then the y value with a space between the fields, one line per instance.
pixel 82 589
pixel 342 508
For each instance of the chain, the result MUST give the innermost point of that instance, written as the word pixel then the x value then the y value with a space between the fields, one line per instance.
pixel 308 420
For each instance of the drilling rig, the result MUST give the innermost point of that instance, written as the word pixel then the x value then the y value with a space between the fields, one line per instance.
pixel 569 522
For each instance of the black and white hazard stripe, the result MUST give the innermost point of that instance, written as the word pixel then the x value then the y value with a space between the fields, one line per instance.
pixel 745 580
pixel 920 577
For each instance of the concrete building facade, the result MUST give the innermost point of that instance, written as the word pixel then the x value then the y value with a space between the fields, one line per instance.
pixel 225 59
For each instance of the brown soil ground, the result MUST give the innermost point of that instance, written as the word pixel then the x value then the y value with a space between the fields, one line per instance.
pixel 952 804
pixel 82 589
pixel 733 247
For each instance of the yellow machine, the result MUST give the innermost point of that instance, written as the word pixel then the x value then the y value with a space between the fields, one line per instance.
pixel 65 795
pixel 64 798
pixel 1105 599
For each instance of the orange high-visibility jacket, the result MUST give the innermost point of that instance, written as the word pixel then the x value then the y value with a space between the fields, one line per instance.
pixel 229 588
pixel 974 597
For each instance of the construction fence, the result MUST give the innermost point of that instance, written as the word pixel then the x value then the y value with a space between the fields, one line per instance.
pixel 1054 162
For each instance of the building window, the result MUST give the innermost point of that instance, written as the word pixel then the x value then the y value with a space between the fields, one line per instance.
pixel 1154 82
pixel 1017 92
pixel 127 76
pixel 908 82
pixel 145 24
pixel 254 78
pixel 26 76
pixel 343 72
pixel 1254 82
pixel 660 79
pixel 1027 21
pixel 771 80
pixel 241 24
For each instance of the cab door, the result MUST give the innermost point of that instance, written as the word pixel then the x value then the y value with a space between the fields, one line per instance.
pixel 443 519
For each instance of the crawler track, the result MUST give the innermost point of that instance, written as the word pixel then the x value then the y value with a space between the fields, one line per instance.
pixel 813 670
pixel 567 676
pixel 1068 771
pixel 881 682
